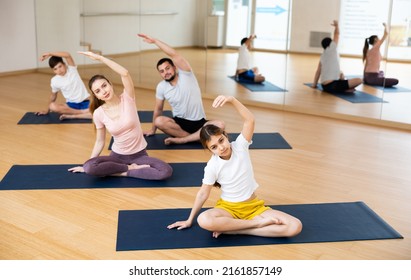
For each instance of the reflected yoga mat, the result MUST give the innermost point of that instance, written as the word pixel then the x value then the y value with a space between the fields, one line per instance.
pixel 53 118
pixel 260 141
pixel 42 177
pixel 355 97
pixel 328 222
pixel 393 89
pixel 264 86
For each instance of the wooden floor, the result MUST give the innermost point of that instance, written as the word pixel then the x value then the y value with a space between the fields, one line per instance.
pixel 331 161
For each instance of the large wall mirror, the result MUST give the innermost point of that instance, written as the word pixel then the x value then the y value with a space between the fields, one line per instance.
pixel 111 28
pixel 208 34
pixel 227 24
pixel 398 53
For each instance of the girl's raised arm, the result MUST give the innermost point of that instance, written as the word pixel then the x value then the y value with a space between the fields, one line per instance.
pixel 246 115
pixel 123 72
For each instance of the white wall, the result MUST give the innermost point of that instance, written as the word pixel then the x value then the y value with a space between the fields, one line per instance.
pixel 58 27
pixel 203 11
pixel 29 28
pixel 115 33
pixel 312 15
pixel 17 35
pixel 178 31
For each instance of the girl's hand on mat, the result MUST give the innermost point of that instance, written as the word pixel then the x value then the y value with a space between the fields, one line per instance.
pixel 180 225
pixel 77 169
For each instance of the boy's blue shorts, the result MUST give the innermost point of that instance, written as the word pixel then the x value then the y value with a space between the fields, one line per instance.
pixel 79 106
pixel 246 77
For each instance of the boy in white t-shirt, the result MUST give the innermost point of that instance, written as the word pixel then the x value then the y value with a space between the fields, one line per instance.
pixel 67 81
pixel 245 73
pixel 239 210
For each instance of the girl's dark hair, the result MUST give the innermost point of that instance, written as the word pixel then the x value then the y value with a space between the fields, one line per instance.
pixel 368 41
pixel 95 102
pixel 210 130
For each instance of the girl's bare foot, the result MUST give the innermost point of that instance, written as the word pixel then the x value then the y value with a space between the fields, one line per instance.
pixel 136 166
pixel 266 221
pixel 131 167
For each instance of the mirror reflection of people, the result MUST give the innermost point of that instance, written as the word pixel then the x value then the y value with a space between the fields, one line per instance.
pixel 117 114
pixel 245 73
pixel 372 60
pixel 328 70
pixel 68 82
pixel 182 91
pixel 239 210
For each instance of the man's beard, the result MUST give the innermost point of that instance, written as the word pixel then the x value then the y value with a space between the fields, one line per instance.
pixel 171 78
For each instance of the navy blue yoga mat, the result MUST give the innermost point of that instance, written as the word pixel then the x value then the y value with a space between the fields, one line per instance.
pixel 355 97
pixel 265 86
pixel 327 222
pixel 53 118
pixel 147 116
pixel 260 141
pixel 41 177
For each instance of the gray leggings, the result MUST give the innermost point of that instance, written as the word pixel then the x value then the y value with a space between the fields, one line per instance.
pixel 116 163
pixel 378 79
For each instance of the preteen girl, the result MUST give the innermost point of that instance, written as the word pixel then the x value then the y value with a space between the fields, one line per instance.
pixel 238 211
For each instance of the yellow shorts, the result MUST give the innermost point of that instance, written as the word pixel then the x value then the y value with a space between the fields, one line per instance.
pixel 243 210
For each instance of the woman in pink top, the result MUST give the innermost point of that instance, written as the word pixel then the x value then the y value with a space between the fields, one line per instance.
pixel 117 114
pixel 372 58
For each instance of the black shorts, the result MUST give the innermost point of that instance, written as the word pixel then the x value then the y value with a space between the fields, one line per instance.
pixel 190 126
pixel 337 86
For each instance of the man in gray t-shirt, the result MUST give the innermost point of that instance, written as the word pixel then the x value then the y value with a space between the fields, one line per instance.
pixel 332 79
pixel 180 88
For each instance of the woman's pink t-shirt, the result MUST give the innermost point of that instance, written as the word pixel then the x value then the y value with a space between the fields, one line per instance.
pixel 126 130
